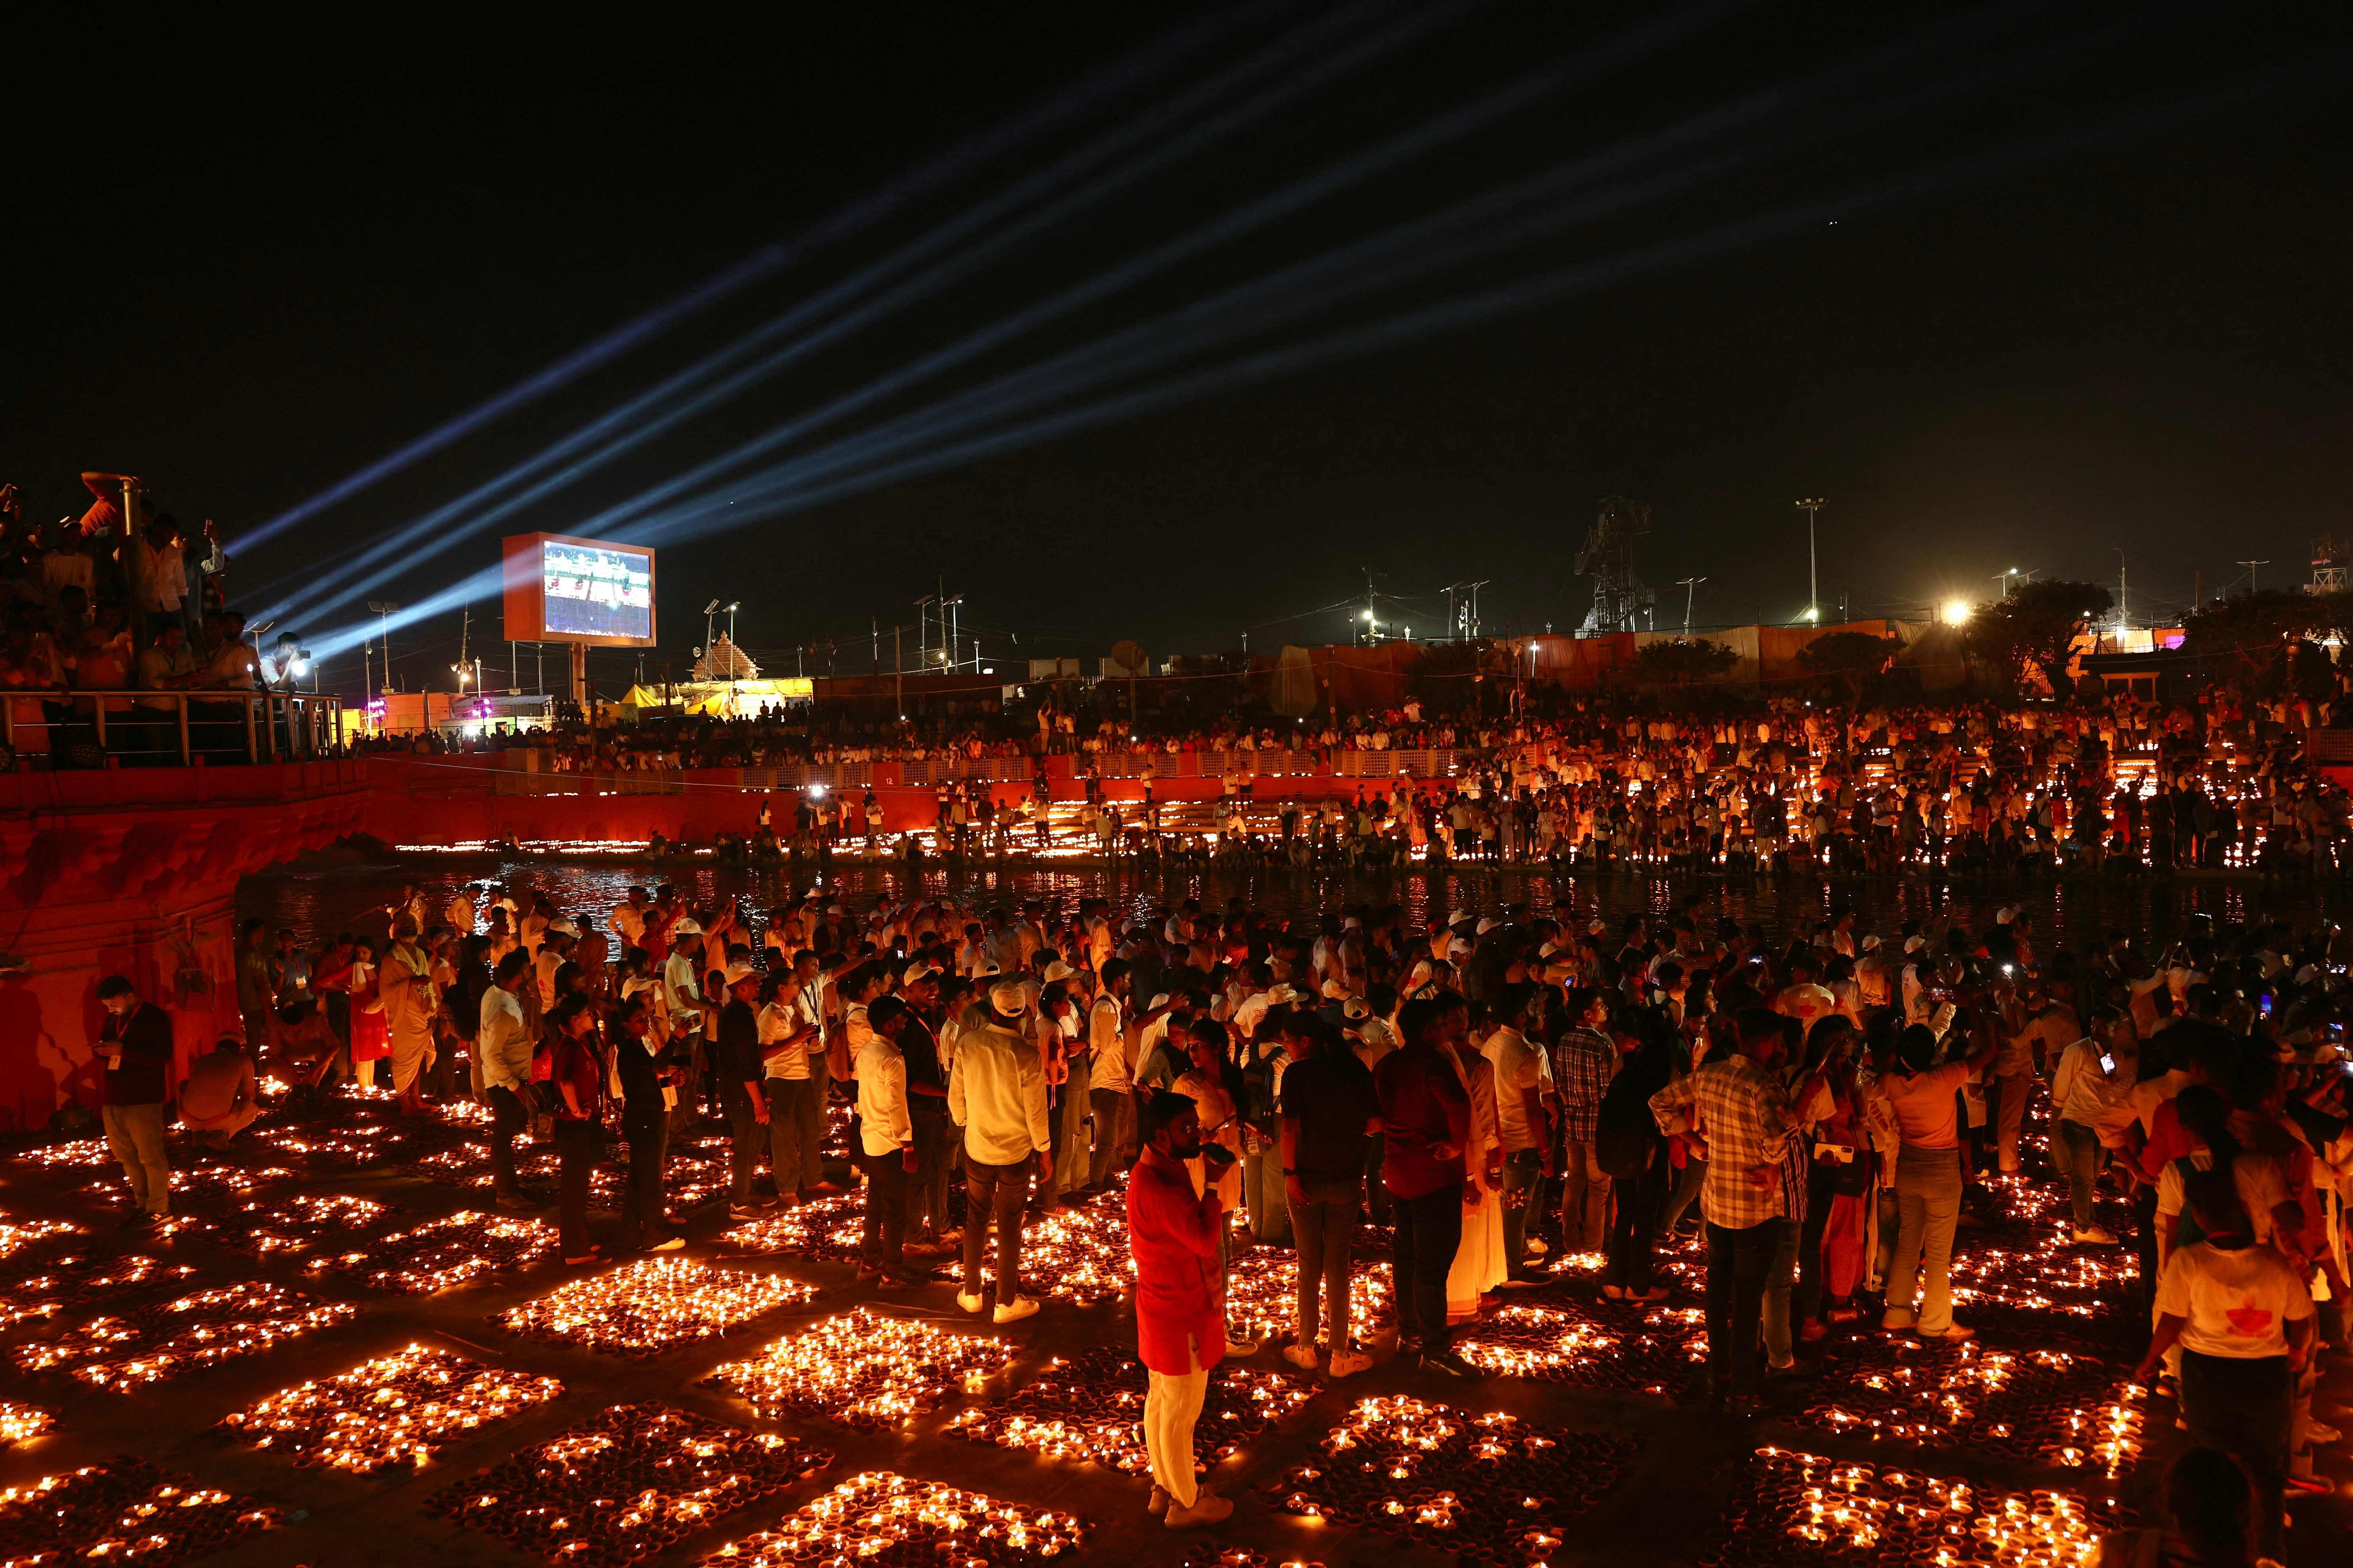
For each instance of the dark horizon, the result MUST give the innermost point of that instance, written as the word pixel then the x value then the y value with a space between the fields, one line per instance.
pixel 2094 306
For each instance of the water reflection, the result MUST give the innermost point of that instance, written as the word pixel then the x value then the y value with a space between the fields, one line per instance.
pixel 316 903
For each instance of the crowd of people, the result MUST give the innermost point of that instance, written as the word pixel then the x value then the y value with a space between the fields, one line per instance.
pixel 1679 779
pixel 1500 1091
pixel 2125 786
pixel 102 604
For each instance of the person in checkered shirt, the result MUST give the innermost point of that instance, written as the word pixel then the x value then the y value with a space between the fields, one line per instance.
pixel 1741 1111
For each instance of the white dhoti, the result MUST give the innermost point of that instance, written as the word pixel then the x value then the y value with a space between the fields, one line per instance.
pixel 1172 1405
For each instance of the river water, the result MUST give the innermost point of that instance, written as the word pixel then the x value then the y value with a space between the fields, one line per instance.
pixel 317 901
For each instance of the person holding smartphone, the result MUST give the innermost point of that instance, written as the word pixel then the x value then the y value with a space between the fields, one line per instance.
pixel 2094 1075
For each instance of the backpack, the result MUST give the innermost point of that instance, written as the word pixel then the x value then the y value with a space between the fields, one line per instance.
pixel 1624 1130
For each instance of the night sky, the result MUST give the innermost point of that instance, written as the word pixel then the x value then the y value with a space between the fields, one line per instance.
pixel 2087 289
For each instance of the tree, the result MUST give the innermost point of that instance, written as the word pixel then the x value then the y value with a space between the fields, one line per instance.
pixel 1449 677
pixel 1680 662
pixel 2035 629
pixel 2249 639
pixel 1855 659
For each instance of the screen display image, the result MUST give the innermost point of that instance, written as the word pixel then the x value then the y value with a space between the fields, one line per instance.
pixel 596 592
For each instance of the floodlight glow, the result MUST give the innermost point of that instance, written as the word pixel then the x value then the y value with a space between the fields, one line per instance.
pixel 1956 611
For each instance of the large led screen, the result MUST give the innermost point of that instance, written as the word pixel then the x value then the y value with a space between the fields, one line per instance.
pixel 578 590
pixel 595 591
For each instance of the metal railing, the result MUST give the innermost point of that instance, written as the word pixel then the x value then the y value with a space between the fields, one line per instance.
pixel 168 727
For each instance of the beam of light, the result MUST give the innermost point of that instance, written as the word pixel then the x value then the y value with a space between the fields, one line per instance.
pixel 1168 51
pixel 1435 242
pixel 1149 130
pixel 717 513
pixel 1251 308
pixel 432 534
pixel 1241 221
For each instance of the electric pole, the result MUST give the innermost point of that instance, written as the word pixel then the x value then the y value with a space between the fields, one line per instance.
pixel 1471 624
pixel 383 609
pixel 2251 566
pixel 1690 585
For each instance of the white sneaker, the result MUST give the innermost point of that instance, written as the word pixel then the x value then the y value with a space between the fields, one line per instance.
pixel 1300 1355
pixel 1347 1364
pixel 971 1303
pixel 1016 1310
pixel 1241 1347
pixel 2322 1433
pixel 2094 1235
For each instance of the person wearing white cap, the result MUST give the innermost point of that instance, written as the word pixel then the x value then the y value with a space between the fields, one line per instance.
pixel 997 1093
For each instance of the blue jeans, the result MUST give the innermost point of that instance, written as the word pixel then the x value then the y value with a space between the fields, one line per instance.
pixel 1428 1230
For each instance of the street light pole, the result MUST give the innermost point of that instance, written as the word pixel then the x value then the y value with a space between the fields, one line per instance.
pixel 1813 507
pixel 2251 566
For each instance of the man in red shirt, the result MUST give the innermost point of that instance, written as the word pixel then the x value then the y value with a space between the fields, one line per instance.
pixel 1180 1310
pixel 1425 1125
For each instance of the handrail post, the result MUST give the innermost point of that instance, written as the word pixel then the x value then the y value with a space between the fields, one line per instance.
pixel 252 741
pixel 187 756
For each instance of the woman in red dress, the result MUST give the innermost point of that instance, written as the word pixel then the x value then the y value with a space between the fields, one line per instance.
pixel 371 1040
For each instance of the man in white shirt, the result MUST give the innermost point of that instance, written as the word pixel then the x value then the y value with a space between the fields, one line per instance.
pixel 627 920
pixel 1523 1093
pixel 1112 1081
pixel 788 1040
pixel 2085 1089
pixel 997 1093
pixel 503 1048
pixel 681 988
pixel 886 1135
